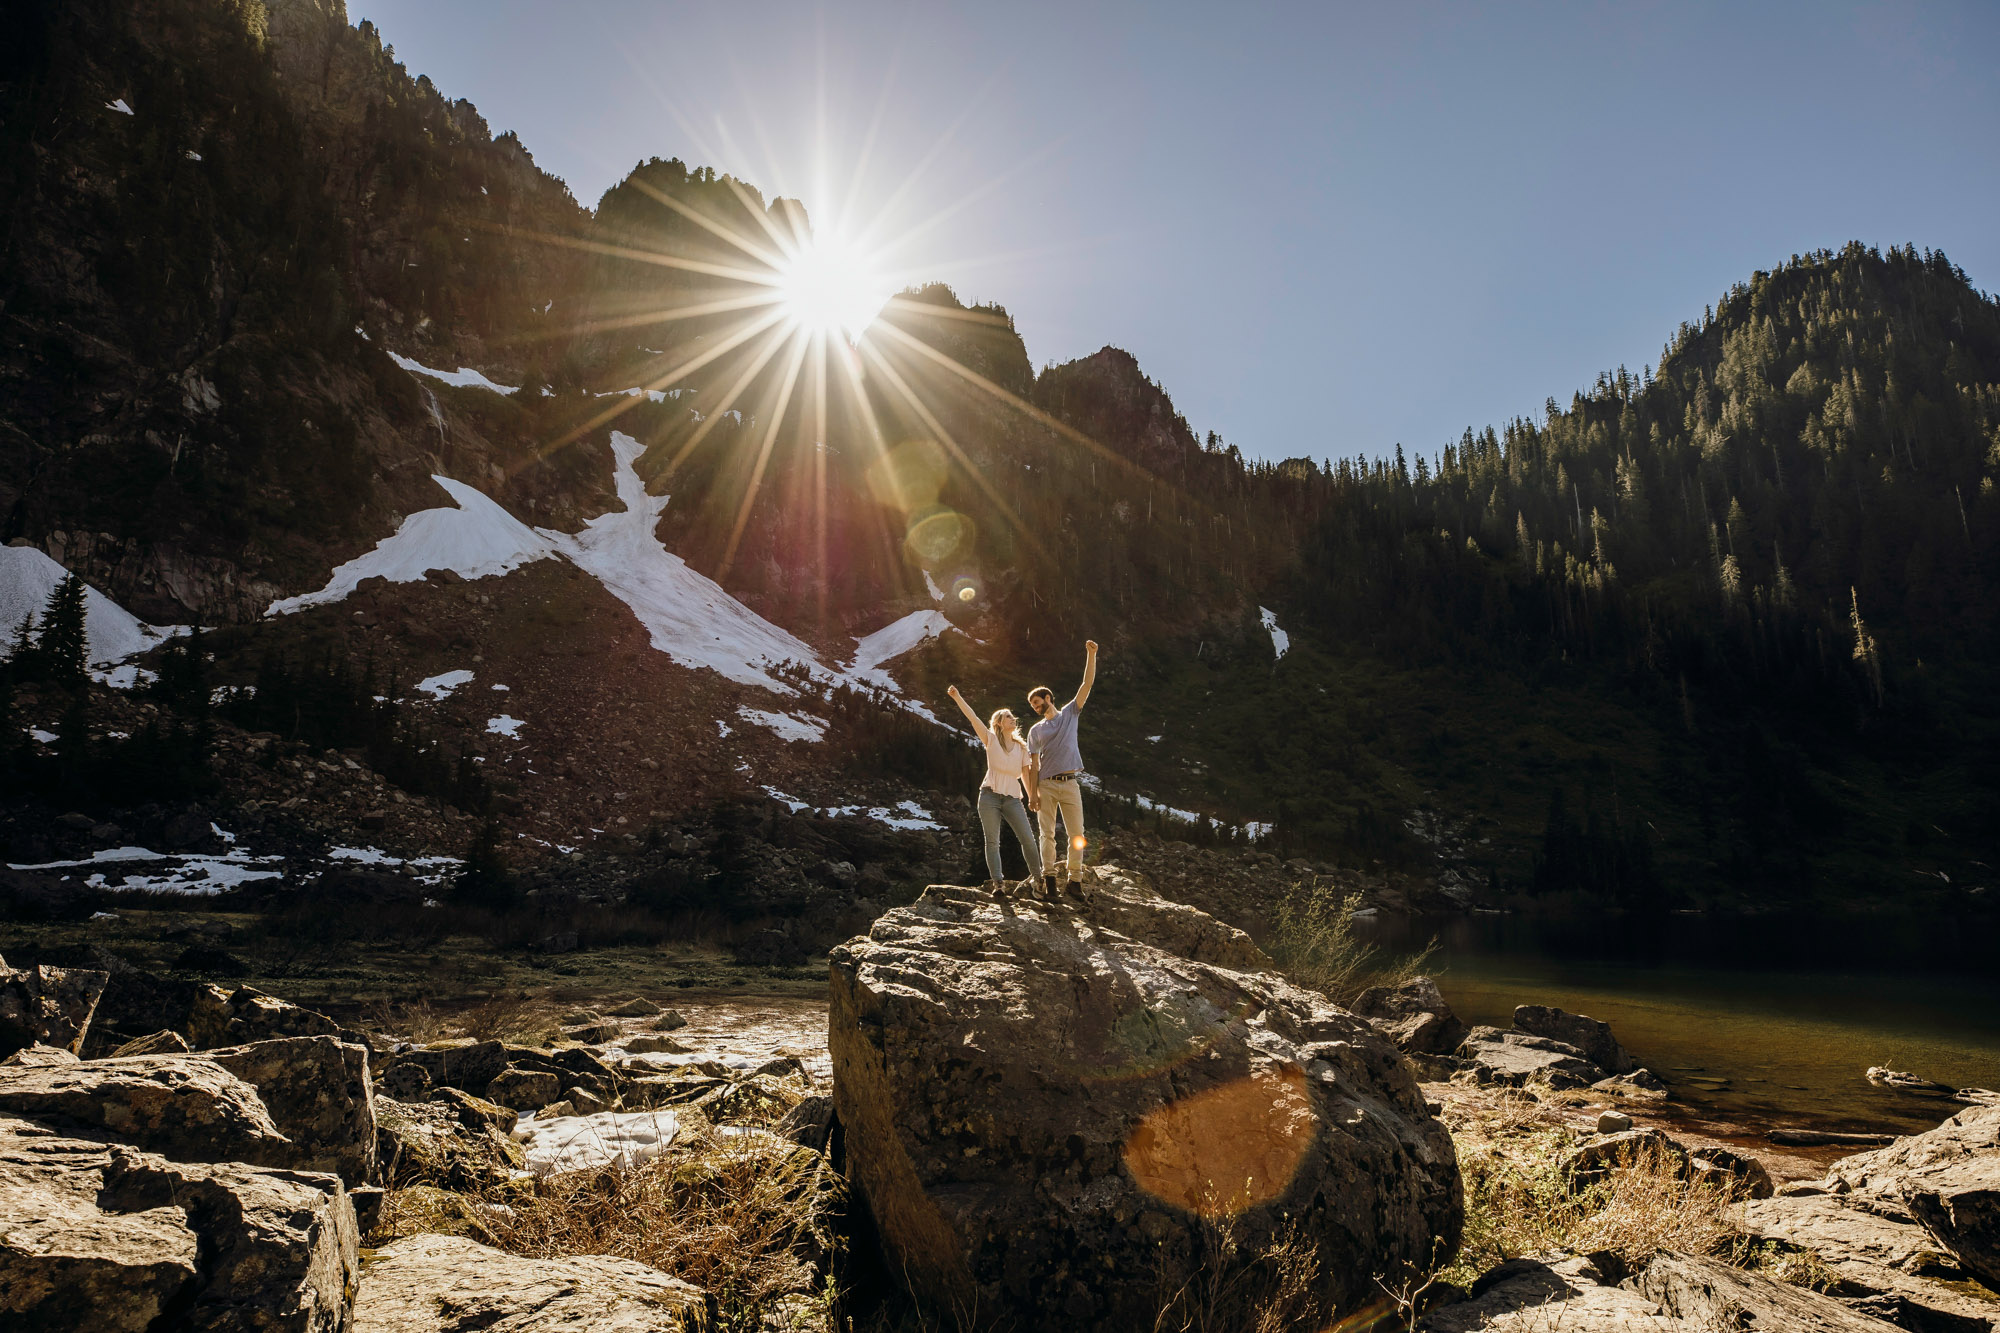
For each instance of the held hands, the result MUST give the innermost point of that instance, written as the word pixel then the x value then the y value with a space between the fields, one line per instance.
pixel 1090 646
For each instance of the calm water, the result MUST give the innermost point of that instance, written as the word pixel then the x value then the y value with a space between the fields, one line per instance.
pixel 1768 1020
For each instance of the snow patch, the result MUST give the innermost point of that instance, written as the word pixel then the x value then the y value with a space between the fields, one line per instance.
pixel 902 815
pixel 937 593
pixel 440 686
pixel 688 616
pixel 586 1142
pixel 119 106
pixel 476 540
pixel 178 872
pixel 111 633
pixel 503 725
pixel 45 737
pixel 1280 641
pixel 892 641
pixel 465 377
pixel 788 726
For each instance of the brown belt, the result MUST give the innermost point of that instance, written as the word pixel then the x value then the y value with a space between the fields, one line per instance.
pixel 1062 777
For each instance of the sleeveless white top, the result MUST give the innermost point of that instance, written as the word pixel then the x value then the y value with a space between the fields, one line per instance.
pixel 1005 767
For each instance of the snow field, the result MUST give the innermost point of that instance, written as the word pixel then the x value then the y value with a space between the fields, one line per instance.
pixel 585 1142
pixel 787 726
pixel 112 634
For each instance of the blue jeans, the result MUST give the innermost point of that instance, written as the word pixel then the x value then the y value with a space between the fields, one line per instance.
pixel 993 807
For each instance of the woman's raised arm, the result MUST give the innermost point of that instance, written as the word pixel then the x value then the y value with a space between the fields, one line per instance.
pixel 978 727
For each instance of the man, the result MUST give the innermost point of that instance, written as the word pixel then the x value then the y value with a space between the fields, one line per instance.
pixel 1055 774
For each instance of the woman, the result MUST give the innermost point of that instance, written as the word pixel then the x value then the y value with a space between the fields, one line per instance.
pixel 1000 794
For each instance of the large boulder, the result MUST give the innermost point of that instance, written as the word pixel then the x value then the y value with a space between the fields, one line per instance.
pixel 1514 1059
pixel 66 1261
pixel 1707 1293
pixel 182 1106
pixel 1052 1121
pixel 433 1143
pixel 447 1284
pixel 1886 1262
pixel 138 1002
pixel 1960 1206
pixel 1414 1015
pixel 96 1236
pixel 280 1250
pixel 51 1006
pixel 318 1093
pixel 232 1018
pixel 1591 1038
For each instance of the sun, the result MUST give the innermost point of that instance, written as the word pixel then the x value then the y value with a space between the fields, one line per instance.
pixel 829 286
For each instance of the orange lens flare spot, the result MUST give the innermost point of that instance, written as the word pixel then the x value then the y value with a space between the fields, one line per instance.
pixel 1226 1150
pixel 1079 843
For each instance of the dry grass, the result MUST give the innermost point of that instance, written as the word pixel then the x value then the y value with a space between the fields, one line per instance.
pixel 1519 1201
pixel 1312 938
pixel 516 1019
pixel 1233 1291
pixel 744 1218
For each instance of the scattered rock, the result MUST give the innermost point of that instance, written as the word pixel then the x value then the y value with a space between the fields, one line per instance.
pixel 1039 1111
pixel 406 1082
pixel 476 1112
pixel 1516 1058
pixel 1613 1122
pixel 1593 1161
pixel 233 1018
pixel 183 1106
pixel 523 1089
pixel 1882 1256
pixel 164 1042
pixel 668 1021
pixel 447 1284
pixel 427 1143
pixel 1743 1177
pixel 636 1007
pixel 1591 1038
pixel 580 1017
pixel 1708 1293
pixel 809 1124
pixel 1643 1083
pixel 207 958
pixel 654 1044
pixel 1414 1015
pixel 592 1034
pixel 583 1102
pixel 318 1093
pixel 50 1006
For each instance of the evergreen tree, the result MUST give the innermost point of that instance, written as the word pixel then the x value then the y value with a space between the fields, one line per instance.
pixel 61 648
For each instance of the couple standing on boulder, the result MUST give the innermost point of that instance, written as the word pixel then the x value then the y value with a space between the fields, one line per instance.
pixel 1048 769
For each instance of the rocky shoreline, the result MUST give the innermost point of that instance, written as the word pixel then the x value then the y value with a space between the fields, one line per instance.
pixel 1047 1116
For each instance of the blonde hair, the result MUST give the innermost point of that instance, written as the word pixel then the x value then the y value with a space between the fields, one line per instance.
pixel 993 725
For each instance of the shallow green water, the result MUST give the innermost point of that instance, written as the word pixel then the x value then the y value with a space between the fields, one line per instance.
pixel 1750 1019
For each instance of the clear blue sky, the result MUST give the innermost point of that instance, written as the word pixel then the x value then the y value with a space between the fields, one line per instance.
pixel 1323 228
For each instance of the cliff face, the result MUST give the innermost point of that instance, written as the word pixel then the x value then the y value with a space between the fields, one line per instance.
pixel 210 201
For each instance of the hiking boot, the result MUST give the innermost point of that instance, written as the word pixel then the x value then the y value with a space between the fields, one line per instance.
pixel 1050 893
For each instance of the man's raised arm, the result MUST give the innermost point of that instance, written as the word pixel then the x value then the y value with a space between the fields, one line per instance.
pixel 1089 672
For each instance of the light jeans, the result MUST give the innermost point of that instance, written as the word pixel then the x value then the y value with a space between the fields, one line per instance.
pixel 994 807
pixel 1066 796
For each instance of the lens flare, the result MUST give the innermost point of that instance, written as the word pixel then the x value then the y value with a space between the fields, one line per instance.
pixel 830 287
pixel 967 593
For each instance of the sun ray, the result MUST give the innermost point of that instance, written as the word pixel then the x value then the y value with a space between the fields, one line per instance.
pixel 660 258
pixel 944 437
pixel 801 339
pixel 723 306
pixel 709 224
pixel 973 377
pixel 623 404
pixel 728 401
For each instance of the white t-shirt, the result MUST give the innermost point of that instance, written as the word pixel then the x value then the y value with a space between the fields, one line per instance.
pixel 1005 767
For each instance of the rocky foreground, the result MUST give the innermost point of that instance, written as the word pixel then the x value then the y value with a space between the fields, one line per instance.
pixel 1108 1116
